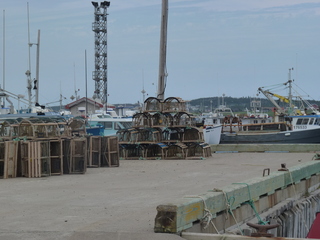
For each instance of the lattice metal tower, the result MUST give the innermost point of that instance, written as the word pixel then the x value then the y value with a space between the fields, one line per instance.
pixel 99 27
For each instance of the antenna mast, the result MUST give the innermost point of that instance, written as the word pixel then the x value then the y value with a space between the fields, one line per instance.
pixel 99 26
pixel 28 72
pixel 163 51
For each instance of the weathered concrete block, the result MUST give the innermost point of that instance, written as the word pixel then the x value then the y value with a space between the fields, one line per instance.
pixel 181 215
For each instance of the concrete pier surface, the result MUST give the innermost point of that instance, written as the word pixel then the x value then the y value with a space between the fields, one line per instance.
pixel 120 203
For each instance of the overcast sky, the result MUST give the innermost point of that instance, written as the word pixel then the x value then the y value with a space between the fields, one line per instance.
pixel 215 47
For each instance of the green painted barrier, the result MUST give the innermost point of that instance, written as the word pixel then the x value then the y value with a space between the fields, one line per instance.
pixel 265 147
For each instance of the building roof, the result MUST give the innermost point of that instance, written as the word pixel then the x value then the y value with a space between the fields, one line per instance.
pixel 89 100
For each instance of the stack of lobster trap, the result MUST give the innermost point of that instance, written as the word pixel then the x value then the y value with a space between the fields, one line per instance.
pixel 164 130
pixel 40 147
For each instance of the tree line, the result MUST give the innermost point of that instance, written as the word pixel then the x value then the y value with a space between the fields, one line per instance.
pixel 238 104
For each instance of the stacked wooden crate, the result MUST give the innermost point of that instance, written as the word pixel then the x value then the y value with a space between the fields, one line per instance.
pixel 75 155
pixel 164 130
pixel 94 147
pixel 8 159
pixel 35 159
pixel 110 152
pixel 103 151
pixel 40 147
pixel 56 156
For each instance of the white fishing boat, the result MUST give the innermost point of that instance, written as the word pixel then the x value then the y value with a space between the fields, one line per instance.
pixel 111 124
pixel 212 134
pixel 213 123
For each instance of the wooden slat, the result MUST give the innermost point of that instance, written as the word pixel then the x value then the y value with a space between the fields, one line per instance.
pixel 10 161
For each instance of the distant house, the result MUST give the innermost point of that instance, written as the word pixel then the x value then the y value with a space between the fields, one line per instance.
pixel 78 107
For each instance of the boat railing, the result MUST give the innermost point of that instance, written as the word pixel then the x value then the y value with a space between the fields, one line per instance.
pixel 273 126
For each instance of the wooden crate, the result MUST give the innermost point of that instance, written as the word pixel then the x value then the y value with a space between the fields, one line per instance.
pixel 2 153
pixel 110 152
pixel 75 155
pixel 132 151
pixel 56 157
pixel 177 151
pixel 35 158
pixel 30 157
pixel 94 151
pixel 156 151
pixel 8 159
pixel 45 160
pixel 198 151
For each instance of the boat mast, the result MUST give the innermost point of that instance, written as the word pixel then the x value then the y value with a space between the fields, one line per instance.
pixel 290 89
pixel 3 60
pixel 163 51
pixel 28 72
pixel 36 81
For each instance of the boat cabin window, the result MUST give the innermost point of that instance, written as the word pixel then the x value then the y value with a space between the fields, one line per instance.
pixel 263 121
pixel 316 122
pixel 255 121
pixel 311 121
pixel 107 125
pixel 302 121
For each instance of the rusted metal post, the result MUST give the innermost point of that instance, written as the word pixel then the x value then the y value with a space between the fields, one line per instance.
pixel 262 230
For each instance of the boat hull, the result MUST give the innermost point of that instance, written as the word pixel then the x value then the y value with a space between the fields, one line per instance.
pixel 303 136
pixel 212 134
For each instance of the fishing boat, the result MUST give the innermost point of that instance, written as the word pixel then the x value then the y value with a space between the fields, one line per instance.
pixel 291 125
pixel 212 134
pixel 213 123
pixel 295 129
pixel 111 124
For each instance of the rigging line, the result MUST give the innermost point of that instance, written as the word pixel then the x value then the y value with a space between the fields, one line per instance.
pixel 302 91
pixel 251 203
pixel 275 85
